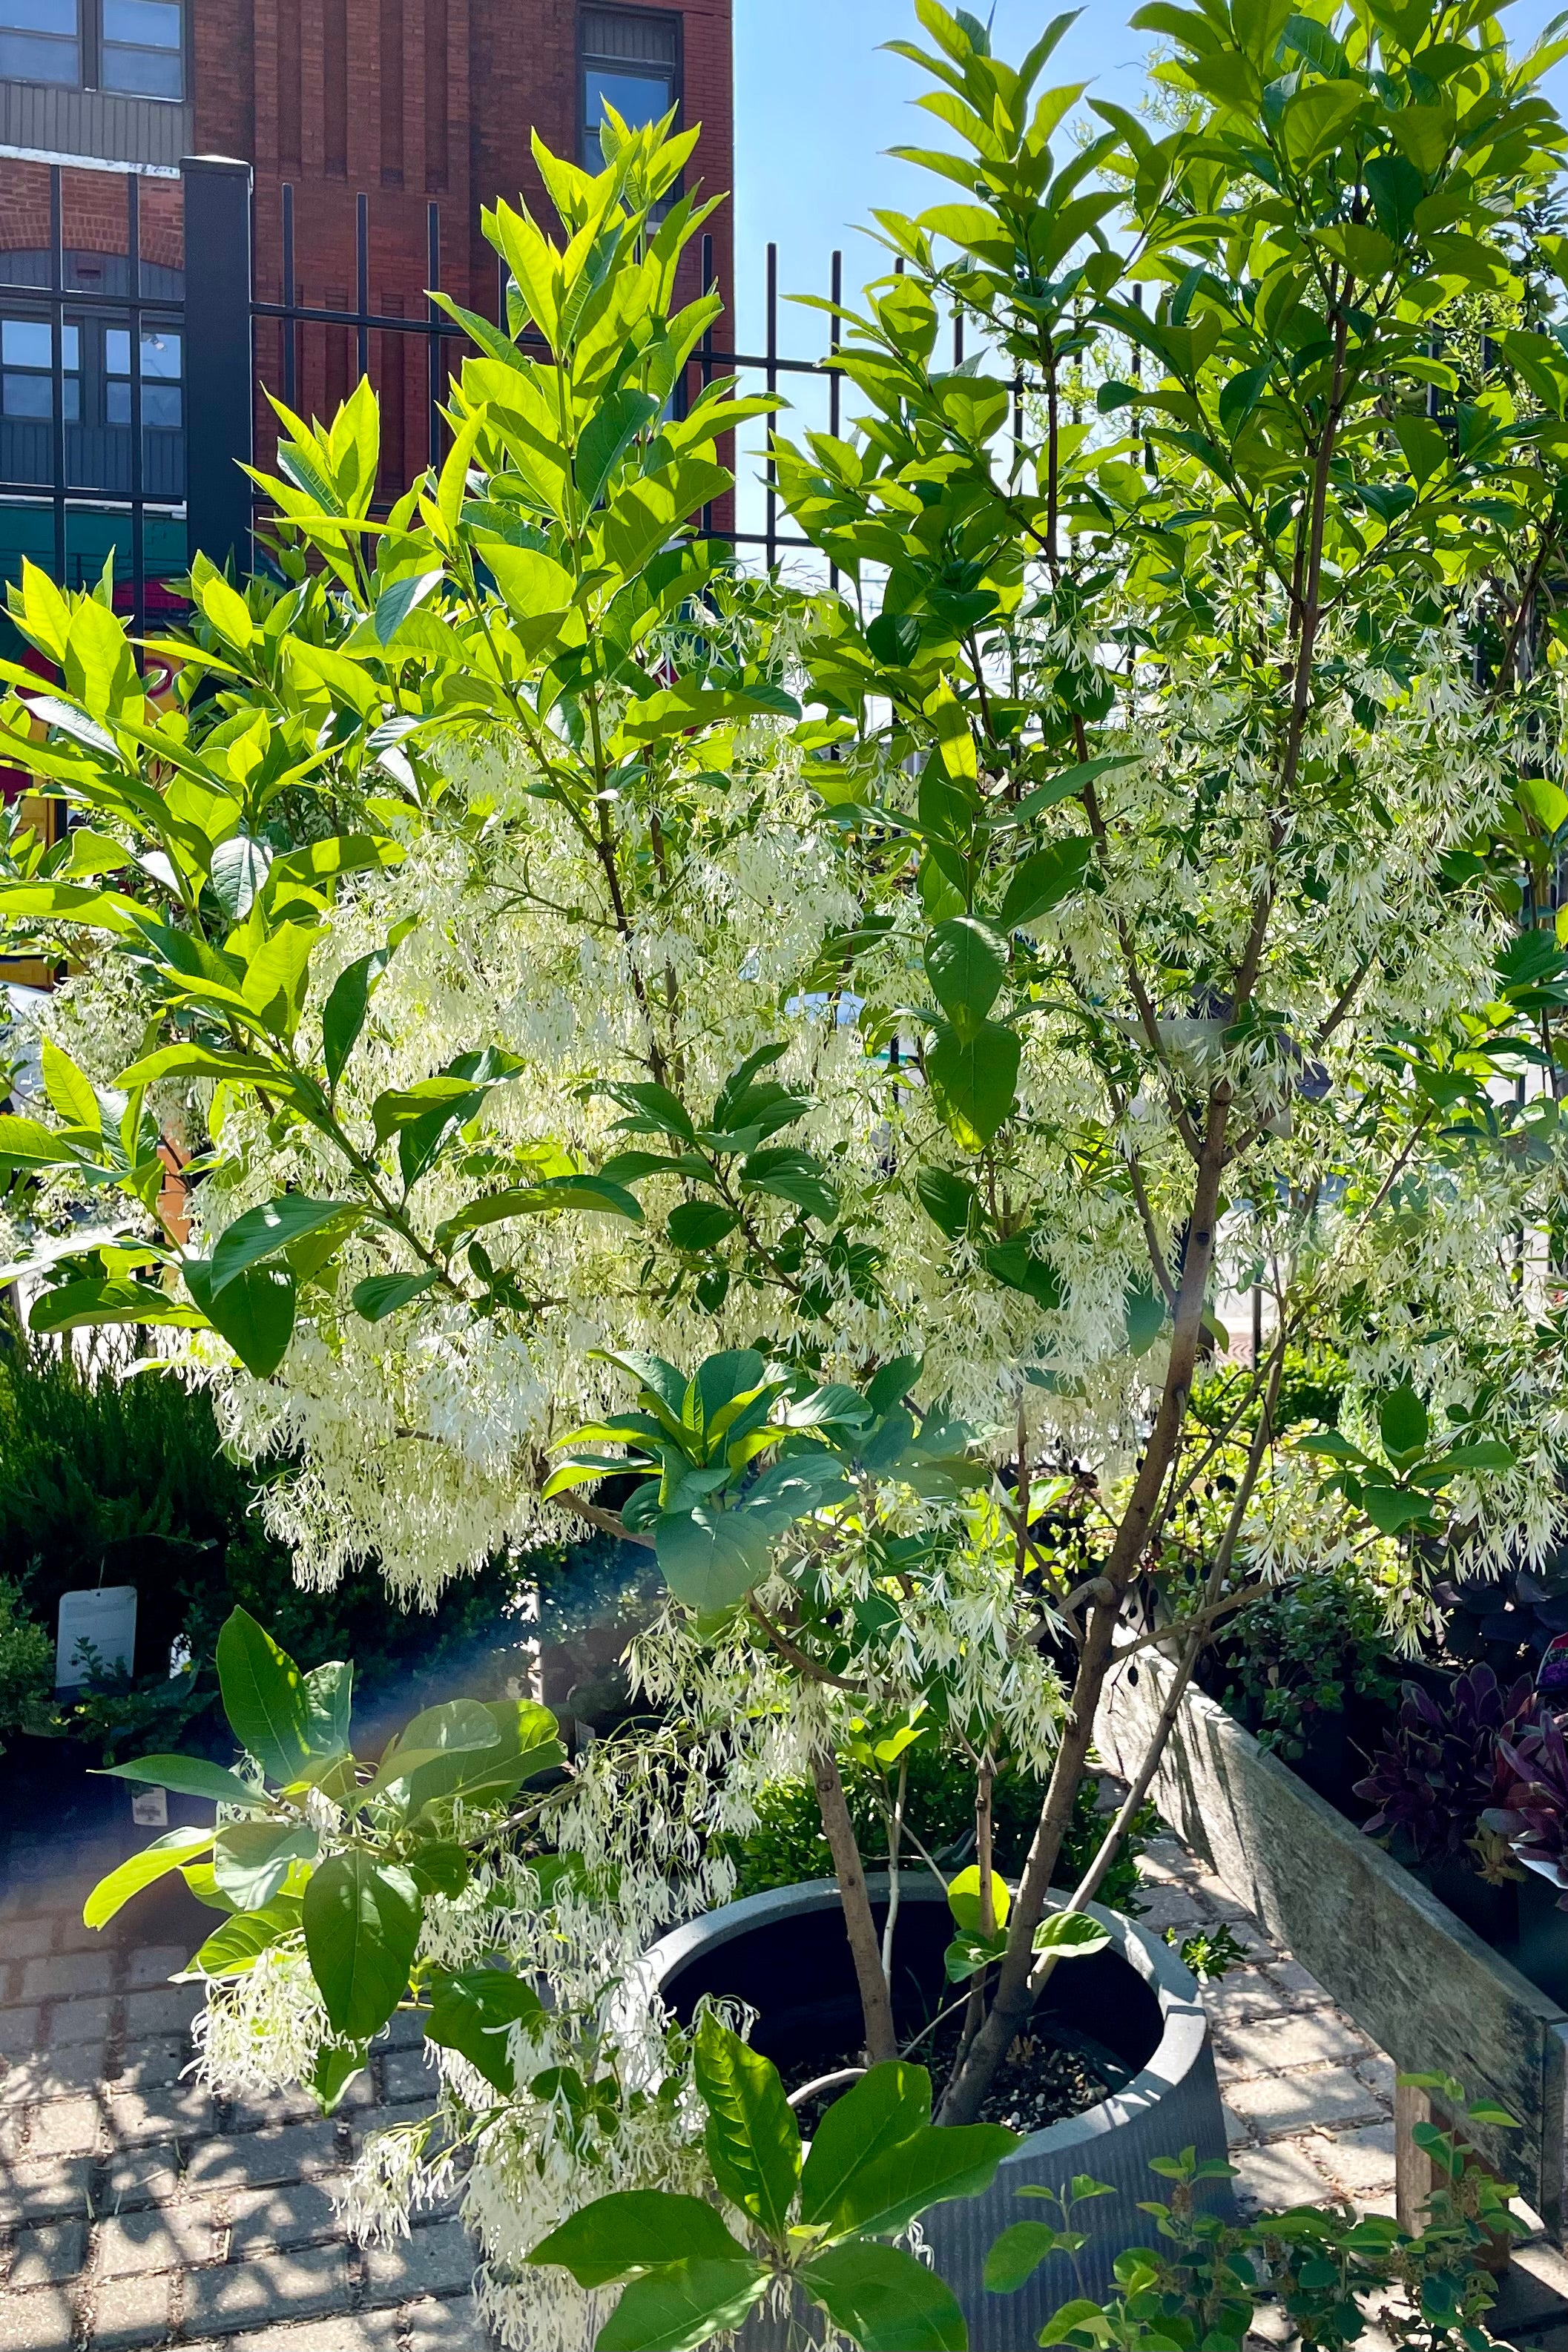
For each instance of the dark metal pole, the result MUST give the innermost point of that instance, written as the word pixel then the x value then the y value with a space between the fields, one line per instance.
pixel 361 281
pixel 772 380
pixel 433 341
pixel 836 289
pixel 138 481
pixel 219 412
pixel 290 326
pixel 57 364
pixel 707 357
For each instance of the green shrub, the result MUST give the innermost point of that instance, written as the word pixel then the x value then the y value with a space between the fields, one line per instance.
pixel 788 1844
pixel 27 1668
pixel 1302 1653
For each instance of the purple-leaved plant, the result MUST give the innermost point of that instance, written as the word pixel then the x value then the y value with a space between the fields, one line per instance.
pixel 1440 1771
pixel 1533 1813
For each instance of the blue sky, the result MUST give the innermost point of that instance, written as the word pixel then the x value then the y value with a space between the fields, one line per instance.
pixel 816 103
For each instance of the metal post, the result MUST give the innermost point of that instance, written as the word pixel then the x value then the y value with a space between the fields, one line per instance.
pixel 138 478
pixel 219 414
pixel 773 383
pixel 289 327
pixel 58 362
pixel 706 349
pixel 836 291
pixel 361 281
pixel 433 342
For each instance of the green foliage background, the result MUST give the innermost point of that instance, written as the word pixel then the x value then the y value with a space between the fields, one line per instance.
pixel 125 1482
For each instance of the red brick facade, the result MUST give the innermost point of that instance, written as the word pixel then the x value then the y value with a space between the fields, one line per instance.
pixel 410 101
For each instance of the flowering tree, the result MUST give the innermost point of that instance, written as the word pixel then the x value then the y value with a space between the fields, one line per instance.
pixel 788 1075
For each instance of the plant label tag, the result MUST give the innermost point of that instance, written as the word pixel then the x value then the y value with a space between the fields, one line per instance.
pixel 150 1808
pixel 1551 1674
pixel 97 1634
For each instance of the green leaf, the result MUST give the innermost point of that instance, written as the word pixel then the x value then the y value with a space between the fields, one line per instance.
pixel 1316 118
pixel 894 638
pixel 189 1776
pixel 1017 2254
pixel 267 1230
pixel 235 1947
pixel 461 1727
pixel 752 2139
pixel 1391 1509
pixel 337 2064
pixel 393 605
pixel 967 964
pixel 969 1953
pixel 1482 1454
pixel 964 1898
pixel 342 1015
pixel 885 2301
pixel 683 2306
pixel 381 1295
pixel 794 1176
pixel 948 1199
pixel 254 1311
pixel 941 2161
pixel 362 1927
pixel 1145 1311
pixel 1403 1423
pixel 1071 1935
pixel 1069 2317
pixel 975 1080
pixel 239 868
pixel 251 1860
pixel 888 2105
pixel 1044 880
pixel 264 1698
pixel 709 1558
pixel 440 1868
pixel 474 2013
pixel 606 438
pixel 1546 802
pixel 699 1224
pixel 155 1861
pixel 28 1143
pixel 526 1744
pixel 328 1701
pixel 88 1304
pixel 636 2230
pixel 68 1089
pixel 1016 1263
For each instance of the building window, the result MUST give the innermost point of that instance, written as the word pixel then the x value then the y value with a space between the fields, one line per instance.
pixel 142 48
pixel 134 47
pixel 27 369
pixel 163 408
pixel 631 61
pixel 38 41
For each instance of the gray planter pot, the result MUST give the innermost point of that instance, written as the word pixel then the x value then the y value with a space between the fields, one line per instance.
pixel 1425 1988
pixel 791 1941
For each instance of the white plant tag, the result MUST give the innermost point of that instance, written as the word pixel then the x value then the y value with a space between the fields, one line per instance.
pixel 150 1808
pixel 97 1629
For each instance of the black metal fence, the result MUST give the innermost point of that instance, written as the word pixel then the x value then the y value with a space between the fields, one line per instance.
pixel 91 389
pixel 134 398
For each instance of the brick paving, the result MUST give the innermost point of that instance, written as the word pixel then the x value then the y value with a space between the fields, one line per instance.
pixel 136 2213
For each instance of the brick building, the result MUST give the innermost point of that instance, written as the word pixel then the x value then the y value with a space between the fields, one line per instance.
pixel 407 104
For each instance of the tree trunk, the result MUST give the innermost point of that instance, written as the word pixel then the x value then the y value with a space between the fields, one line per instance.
pixel 876 2002
pixel 1015 1996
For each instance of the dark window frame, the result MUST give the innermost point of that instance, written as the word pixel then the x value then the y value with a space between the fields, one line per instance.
pixel 670 19
pixel 90 47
